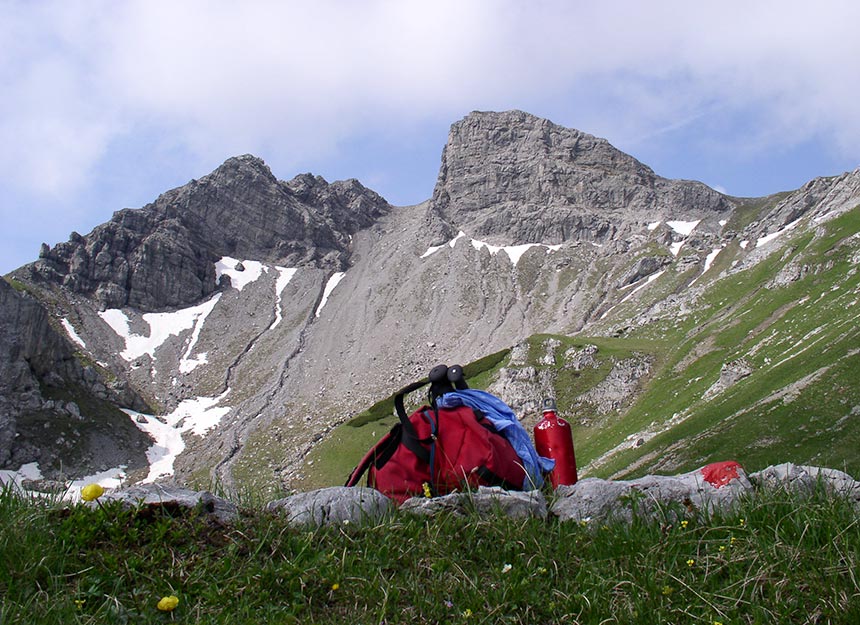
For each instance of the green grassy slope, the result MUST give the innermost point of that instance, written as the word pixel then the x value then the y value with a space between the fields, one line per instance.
pixel 800 340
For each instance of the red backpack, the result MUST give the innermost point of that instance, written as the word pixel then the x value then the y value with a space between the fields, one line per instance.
pixel 435 451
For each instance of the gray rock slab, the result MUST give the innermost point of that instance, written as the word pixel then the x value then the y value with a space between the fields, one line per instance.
pixel 485 502
pixel 332 506
pixel 223 511
pixel 688 494
pixel 805 479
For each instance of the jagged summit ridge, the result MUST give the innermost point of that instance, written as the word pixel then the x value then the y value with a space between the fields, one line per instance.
pixel 163 254
pixel 516 178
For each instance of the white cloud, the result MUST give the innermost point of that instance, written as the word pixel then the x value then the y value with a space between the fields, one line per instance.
pixel 295 81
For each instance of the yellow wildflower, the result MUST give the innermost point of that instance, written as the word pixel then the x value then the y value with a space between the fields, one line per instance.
pixel 742 522
pixel 335 586
pixel 722 548
pixel 168 604
pixel 667 590
pixel 80 602
pixel 684 524
pixel 467 613
pixel 427 492
pixel 691 562
pixel 91 492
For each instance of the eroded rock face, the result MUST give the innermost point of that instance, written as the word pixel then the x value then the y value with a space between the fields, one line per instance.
pixel 36 361
pixel 516 178
pixel 163 255
pixel 29 350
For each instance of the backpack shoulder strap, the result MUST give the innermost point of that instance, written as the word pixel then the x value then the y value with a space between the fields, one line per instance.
pixel 378 455
pixel 408 435
pixel 405 433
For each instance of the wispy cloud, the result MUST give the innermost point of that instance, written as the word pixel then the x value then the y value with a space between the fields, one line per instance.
pixel 296 81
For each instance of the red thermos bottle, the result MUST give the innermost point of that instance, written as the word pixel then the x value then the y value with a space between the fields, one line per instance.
pixel 553 439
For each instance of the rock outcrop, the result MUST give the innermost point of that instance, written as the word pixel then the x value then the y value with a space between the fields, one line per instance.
pixel 333 506
pixel 713 488
pixel 42 386
pixel 31 353
pixel 174 498
pixel 512 177
pixel 668 499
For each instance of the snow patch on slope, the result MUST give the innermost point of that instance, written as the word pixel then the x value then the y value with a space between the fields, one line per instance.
pixel 514 252
pixel 709 260
pixel 239 279
pixel 644 282
pixel 770 237
pixel 187 364
pixel 284 276
pixel 29 471
pixel 329 287
pixel 684 228
pixel 161 326
pixel 70 330
pixel 197 416
pixel 109 478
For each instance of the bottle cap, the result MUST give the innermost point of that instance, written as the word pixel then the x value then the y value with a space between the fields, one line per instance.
pixel 549 404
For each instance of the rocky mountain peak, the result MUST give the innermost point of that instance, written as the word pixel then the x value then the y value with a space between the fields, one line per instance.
pixel 162 255
pixel 527 135
pixel 243 167
pixel 516 178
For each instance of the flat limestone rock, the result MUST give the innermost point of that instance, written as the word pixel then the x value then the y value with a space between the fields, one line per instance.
pixel 805 479
pixel 333 506
pixel 223 511
pixel 711 488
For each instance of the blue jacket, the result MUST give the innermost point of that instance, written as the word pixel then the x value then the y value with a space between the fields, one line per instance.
pixel 507 424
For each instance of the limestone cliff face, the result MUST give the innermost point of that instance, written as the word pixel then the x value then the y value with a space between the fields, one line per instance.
pixel 162 255
pixel 516 178
pixel 29 351
pixel 36 362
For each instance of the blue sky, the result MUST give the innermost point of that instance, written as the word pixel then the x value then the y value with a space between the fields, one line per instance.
pixel 106 104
